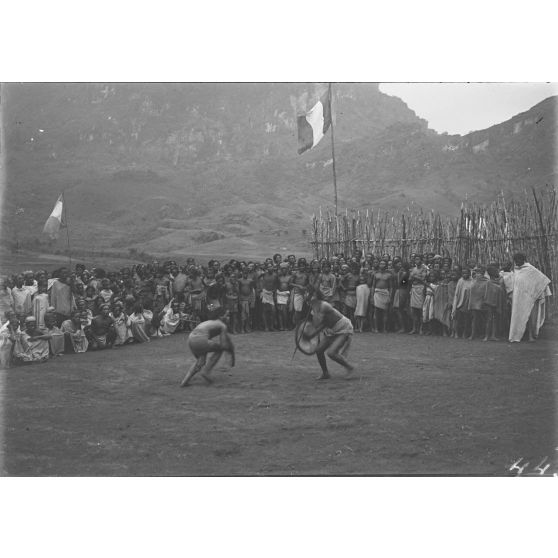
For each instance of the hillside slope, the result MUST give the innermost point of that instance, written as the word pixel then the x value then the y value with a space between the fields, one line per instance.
pixel 213 169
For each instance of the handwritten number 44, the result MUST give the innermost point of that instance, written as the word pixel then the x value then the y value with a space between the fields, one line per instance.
pixel 520 467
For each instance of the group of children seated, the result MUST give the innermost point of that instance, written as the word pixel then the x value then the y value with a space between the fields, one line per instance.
pixel 48 314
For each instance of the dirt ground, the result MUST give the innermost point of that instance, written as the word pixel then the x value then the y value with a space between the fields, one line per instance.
pixel 417 405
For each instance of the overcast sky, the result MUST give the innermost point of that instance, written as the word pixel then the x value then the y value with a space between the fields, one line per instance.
pixel 459 108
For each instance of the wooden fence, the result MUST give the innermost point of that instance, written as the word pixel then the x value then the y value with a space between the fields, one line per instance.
pixel 485 233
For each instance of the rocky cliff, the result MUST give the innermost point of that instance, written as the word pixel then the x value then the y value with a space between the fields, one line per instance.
pixel 213 168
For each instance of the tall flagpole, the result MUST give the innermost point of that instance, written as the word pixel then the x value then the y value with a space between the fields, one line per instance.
pixel 333 151
pixel 67 230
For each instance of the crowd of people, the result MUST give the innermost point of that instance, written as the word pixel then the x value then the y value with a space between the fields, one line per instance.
pixel 46 315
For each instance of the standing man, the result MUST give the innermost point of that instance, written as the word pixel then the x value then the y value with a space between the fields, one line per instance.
pixel 417 279
pixel 401 297
pixel 246 295
pixel 179 281
pixel 349 284
pixel 61 297
pixel 530 289
pixel 477 296
pixel 299 284
pixel 269 287
pixel 327 283
pixel 283 296
pixel 29 282
pixel 382 286
pixel 22 302
pixel 460 314
pixel 6 299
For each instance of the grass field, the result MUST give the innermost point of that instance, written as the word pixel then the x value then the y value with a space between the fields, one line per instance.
pixel 256 248
pixel 417 405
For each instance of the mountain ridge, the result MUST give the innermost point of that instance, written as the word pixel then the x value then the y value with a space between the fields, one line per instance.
pixel 184 168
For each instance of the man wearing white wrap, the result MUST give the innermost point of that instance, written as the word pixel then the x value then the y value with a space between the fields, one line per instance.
pixel 530 289
pixel 208 337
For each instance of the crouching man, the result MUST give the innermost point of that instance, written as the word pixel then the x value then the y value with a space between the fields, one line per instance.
pixel 208 337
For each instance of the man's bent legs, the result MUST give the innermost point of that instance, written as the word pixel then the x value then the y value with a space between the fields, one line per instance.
pixel 213 360
pixel 194 369
pixel 336 350
pixel 325 342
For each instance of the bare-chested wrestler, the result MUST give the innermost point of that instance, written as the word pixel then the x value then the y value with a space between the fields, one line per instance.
pixel 208 337
pixel 337 333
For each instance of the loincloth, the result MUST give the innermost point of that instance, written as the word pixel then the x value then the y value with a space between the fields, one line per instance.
pixel 417 296
pixel 298 302
pixel 342 327
pixel 381 298
pixel 267 297
pixel 350 299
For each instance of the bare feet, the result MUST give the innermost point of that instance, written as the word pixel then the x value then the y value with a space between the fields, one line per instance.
pixel 324 376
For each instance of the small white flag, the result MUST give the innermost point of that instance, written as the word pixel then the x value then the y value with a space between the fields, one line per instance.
pixel 53 223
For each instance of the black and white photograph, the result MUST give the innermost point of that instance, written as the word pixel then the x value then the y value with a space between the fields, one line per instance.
pixel 274 249
pixel 284 276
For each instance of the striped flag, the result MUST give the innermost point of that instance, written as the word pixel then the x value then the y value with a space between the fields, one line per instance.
pixel 314 124
pixel 54 222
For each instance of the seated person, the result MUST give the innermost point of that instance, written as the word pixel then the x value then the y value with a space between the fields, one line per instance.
pixel 102 333
pixel 9 333
pixel 140 323
pixel 74 332
pixel 121 325
pixel 170 319
pixel 32 346
pixel 56 340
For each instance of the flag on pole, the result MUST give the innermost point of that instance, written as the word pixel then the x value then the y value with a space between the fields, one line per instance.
pixel 54 222
pixel 314 124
